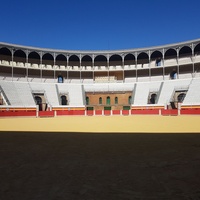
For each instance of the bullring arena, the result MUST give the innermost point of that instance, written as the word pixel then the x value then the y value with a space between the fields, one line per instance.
pixel 154 81
pixel 92 124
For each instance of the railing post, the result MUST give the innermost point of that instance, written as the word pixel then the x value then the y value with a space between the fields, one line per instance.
pixel 37 111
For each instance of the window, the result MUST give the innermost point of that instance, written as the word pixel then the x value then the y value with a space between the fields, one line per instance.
pixel 100 100
pixel 108 100
pixel 87 101
pixel 116 100
pixel 181 97
pixel 63 100
pixel 38 101
pixel 60 79
pixel 129 100
pixel 153 98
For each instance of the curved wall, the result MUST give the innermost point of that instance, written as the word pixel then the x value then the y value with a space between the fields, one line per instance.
pixel 119 65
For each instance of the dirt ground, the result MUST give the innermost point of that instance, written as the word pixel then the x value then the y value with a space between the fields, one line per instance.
pixel 105 124
pixel 81 163
pixel 82 166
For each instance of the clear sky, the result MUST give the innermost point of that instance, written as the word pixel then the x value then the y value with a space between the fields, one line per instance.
pixel 99 24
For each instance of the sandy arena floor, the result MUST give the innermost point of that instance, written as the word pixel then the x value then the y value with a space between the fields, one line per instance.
pixel 62 160
pixel 115 124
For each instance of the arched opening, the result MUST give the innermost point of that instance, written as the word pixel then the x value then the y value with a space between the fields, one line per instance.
pixel 156 57
pixel 100 60
pixel 5 59
pixel 185 52
pixel 86 61
pixel 108 100
pixel 74 61
pixel 115 60
pixel 34 58
pixel 20 57
pixel 170 54
pixel 171 62
pixel 143 60
pixel 38 101
pixel 48 60
pixel 153 98
pixel 129 60
pixel 63 100
pixel 33 62
pixel 87 101
pixel 100 100
pixel 5 54
pixel 197 49
pixel 61 61
pixel 101 69
pixel 181 97
pixel 60 78
pixel 197 57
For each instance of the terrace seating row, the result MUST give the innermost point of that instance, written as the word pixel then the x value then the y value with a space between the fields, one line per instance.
pixel 193 94
pixel 142 92
pixel 18 94
pixel 21 93
pixel 74 92
pixel 151 64
pixel 169 88
pixel 109 87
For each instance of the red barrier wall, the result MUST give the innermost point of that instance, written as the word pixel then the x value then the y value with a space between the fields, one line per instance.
pixel 169 112
pixel 62 112
pixel 90 112
pixel 116 112
pixel 70 112
pixel 190 112
pixel 32 113
pixel 125 112
pixel 98 112
pixel 19 113
pixel 107 112
pixel 145 112
pixel 46 113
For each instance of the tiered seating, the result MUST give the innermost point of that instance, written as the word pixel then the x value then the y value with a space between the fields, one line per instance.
pixel 85 81
pixel 49 90
pixel 11 93
pixel 96 88
pixel 129 67
pixel 105 79
pixel 193 94
pixel 156 78
pixel 185 76
pixel 109 87
pixel 170 62
pixel 24 93
pixel 18 93
pixel 197 58
pixel 142 92
pixel 75 93
pixel 169 87
pixel 130 80
pixel 185 60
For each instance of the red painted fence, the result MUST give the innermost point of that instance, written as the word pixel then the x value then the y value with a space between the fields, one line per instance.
pixel 32 113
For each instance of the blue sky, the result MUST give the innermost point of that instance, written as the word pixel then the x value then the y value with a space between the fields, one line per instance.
pixel 99 24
